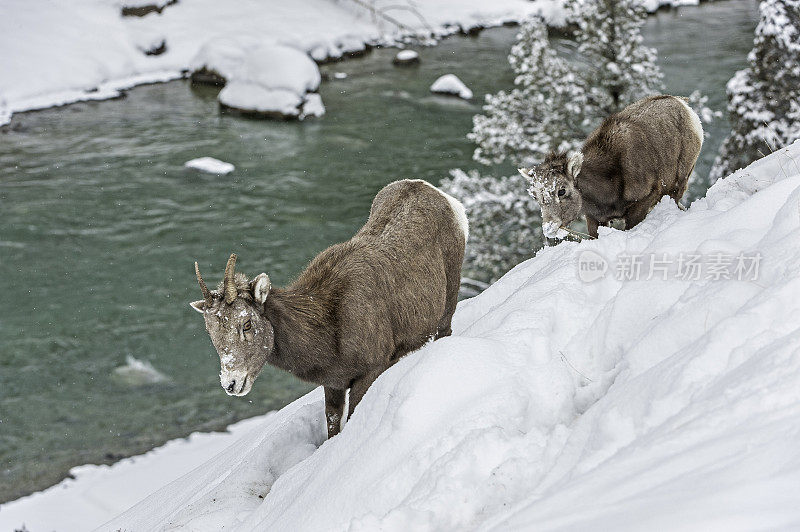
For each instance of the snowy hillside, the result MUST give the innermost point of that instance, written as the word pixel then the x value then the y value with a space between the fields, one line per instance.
pixel 667 402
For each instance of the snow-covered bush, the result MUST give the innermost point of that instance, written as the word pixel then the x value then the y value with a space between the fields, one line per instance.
pixel 557 101
pixel 764 98
pixel 505 223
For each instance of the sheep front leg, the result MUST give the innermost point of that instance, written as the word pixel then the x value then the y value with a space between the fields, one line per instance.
pixel 591 225
pixel 334 409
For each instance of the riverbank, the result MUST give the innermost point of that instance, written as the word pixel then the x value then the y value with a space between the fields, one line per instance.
pixel 55 54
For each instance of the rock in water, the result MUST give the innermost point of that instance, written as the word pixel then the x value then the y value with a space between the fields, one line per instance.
pixel 450 84
pixel 210 165
pixel 406 57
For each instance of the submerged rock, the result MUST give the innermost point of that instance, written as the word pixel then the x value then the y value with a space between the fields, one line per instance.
pixel 137 372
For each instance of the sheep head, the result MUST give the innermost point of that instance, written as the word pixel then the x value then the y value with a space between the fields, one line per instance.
pixel 235 321
pixel 553 185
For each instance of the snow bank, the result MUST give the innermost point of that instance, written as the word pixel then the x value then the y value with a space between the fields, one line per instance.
pixel 451 84
pixel 98 492
pixel 52 53
pixel 656 403
pixel 210 165
pixel 55 53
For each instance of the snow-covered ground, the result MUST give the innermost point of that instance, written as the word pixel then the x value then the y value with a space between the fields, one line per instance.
pixel 573 394
pixel 99 492
pixel 52 53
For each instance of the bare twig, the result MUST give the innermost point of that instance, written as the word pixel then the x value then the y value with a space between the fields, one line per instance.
pixel 380 12
pixel 566 361
pixel 771 148
pixel 578 233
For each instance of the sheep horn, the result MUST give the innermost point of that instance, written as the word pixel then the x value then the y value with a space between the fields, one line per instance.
pixel 230 282
pixel 209 299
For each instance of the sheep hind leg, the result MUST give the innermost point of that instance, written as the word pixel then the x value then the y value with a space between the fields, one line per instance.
pixel 635 214
pixel 444 328
pixel 334 410
pixel 360 387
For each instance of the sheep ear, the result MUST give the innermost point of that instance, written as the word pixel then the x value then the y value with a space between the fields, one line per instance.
pixel 574 164
pixel 260 286
pixel 199 306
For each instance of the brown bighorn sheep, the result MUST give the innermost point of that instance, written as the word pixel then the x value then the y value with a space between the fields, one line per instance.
pixel 627 164
pixel 356 309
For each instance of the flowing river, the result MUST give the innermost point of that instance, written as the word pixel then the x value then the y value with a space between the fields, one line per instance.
pixel 100 355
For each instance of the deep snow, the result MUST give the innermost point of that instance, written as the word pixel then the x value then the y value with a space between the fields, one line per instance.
pixel 656 403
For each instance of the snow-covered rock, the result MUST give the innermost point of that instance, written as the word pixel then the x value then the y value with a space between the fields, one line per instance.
pixel 313 106
pixel 221 59
pixel 210 165
pixel 272 80
pixel 562 401
pixel 451 84
pixel 406 57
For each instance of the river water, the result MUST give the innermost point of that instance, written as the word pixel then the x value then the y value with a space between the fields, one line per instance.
pixel 101 224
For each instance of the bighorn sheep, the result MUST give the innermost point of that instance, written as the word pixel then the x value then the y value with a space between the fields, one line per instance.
pixel 356 309
pixel 627 164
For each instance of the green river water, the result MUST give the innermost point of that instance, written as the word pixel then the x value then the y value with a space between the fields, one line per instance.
pixel 100 225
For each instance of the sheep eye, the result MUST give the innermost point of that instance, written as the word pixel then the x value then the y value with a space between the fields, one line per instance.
pixel 247 326
pixel 561 192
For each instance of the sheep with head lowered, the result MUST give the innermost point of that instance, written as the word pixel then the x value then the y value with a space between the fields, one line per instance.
pixel 626 165
pixel 355 310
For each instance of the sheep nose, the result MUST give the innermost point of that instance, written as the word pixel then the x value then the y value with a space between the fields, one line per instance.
pixel 231 385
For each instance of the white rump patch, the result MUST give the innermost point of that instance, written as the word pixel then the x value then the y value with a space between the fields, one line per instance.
pixel 458 210
pixel 696 124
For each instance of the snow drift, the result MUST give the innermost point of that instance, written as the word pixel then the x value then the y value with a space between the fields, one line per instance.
pixel 557 403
